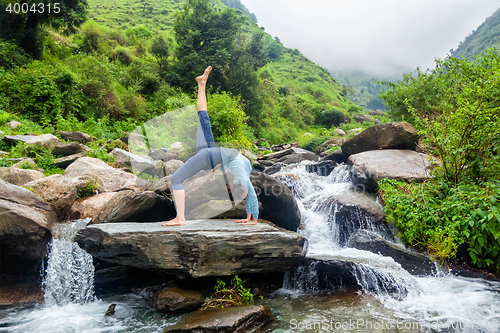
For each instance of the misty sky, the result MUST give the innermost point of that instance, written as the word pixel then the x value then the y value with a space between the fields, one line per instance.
pixel 379 36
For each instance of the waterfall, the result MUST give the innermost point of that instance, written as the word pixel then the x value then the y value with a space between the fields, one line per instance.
pixel 69 275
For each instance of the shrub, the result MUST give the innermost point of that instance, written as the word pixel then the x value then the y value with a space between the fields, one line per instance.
pixel 12 56
pixel 331 117
pixel 224 297
pixel 314 143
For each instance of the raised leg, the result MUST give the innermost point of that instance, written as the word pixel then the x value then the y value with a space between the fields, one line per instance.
pixel 201 102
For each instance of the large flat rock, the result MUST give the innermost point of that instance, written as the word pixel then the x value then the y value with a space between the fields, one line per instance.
pixel 200 248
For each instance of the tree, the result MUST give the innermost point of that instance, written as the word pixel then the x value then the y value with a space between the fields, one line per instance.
pixel 160 49
pixel 22 23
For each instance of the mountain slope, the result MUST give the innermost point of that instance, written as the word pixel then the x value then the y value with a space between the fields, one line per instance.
pixel 486 36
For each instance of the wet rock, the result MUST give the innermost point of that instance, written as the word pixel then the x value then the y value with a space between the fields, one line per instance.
pixel 199 248
pixel 63 162
pixel 174 299
pixel 131 206
pixel 20 281
pixel 70 148
pixel 59 191
pixel 414 263
pixel 298 157
pixel 107 178
pixel 337 156
pixel 323 168
pixel 400 135
pixel 278 204
pixel 75 136
pixel 233 319
pixel 369 167
pixel 47 141
pixel 110 311
pixel 19 177
pixel 274 168
pixel 258 166
pixel 89 207
pixel 25 221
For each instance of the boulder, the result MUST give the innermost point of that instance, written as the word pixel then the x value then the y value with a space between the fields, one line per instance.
pixel 47 141
pixel 171 166
pixel 258 166
pixel 107 178
pixel 339 131
pixel 70 148
pixel 13 124
pixel 13 139
pixel 361 118
pixel 19 177
pixel 376 113
pixel 174 299
pixel 274 168
pixel 349 211
pixel 213 208
pixel 369 167
pixel 354 131
pixel 75 136
pixel 131 206
pixel 59 191
pixel 337 156
pixel 165 154
pixel 277 155
pixel 2 133
pixel 25 160
pixel 233 319
pixel 400 135
pixel 323 168
pixel 278 204
pixel 199 248
pixel 161 186
pixel 63 162
pixel 414 263
pixel 298 157
pixel 25 222
pixel 332 142
pixel 138 163
pixel 89 207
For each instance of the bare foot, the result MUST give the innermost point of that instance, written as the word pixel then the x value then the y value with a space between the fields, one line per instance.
pixel 202 79
pixel 251 222
pixel 173 222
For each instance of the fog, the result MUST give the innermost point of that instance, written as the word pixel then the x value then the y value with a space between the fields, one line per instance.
pixel 380 37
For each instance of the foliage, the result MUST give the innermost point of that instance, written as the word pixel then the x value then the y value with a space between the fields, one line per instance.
pixel 12 55
pixel 456 107
pixel 331 118
pixel 100 151
pixel 42 157
pixel 225 296
pixel 439 217
pixel 227 119
pixel 87 191
pixel 314 143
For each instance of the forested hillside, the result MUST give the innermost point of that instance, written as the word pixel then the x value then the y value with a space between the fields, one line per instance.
pixel 129 60
pixel 486 36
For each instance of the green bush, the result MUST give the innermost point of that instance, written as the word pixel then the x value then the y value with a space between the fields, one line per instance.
pixel 437 216
pixel 12 56
pixel 314 143
pixel 331 118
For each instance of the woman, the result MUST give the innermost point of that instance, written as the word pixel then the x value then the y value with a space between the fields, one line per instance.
pixel 207 156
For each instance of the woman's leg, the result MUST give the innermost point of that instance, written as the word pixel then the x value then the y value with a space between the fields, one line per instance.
pixel 201 102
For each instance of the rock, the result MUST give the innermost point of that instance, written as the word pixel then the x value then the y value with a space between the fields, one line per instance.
pixel 248 154
pixel 376 113
pixel 108 179
pixel 138 163
pixel 277 155
pixel 298 157
pixel 323 168
pixel 13 124
pixel 233 319
pixel 2 133
pixel 414 263
pixel 278 204
pixel 274 168
pixel 25 160
pixel 369 167
pixel 162 185
pixel 59 191
pixel 361 118
pixel 131 206
pixel 89 207
pixel 171 166
pixel 339 131
pixel 258 166
pixel 199 248
pixel 75 136
pixel 19 177
pixel 332 142
pixel 47 141
pixel 264 149
pixel 337 156
pixel 165 154
pixel 13 139
pixel 176 146
pixel 3 153
pixel 354 131
pixel 377 122
pixel 69 148
pixel 174 299
pixel 214 207
pixel 400 135
pixel 20 281
pixel 25 221
pixel 350 211
pixel 63 162
pixel 265 162
pixel 262 143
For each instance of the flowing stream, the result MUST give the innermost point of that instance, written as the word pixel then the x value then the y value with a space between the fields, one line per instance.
pixel 389 299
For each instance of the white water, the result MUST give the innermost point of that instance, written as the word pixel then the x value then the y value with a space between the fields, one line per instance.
pixel 435 303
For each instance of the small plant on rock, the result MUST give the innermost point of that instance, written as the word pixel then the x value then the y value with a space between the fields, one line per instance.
pixel 224 296
pixel 89 190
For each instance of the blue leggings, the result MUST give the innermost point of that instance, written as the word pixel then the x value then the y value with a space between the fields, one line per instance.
pixel 202 160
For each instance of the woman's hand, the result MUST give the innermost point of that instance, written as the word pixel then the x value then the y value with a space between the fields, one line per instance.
pixel 250 220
